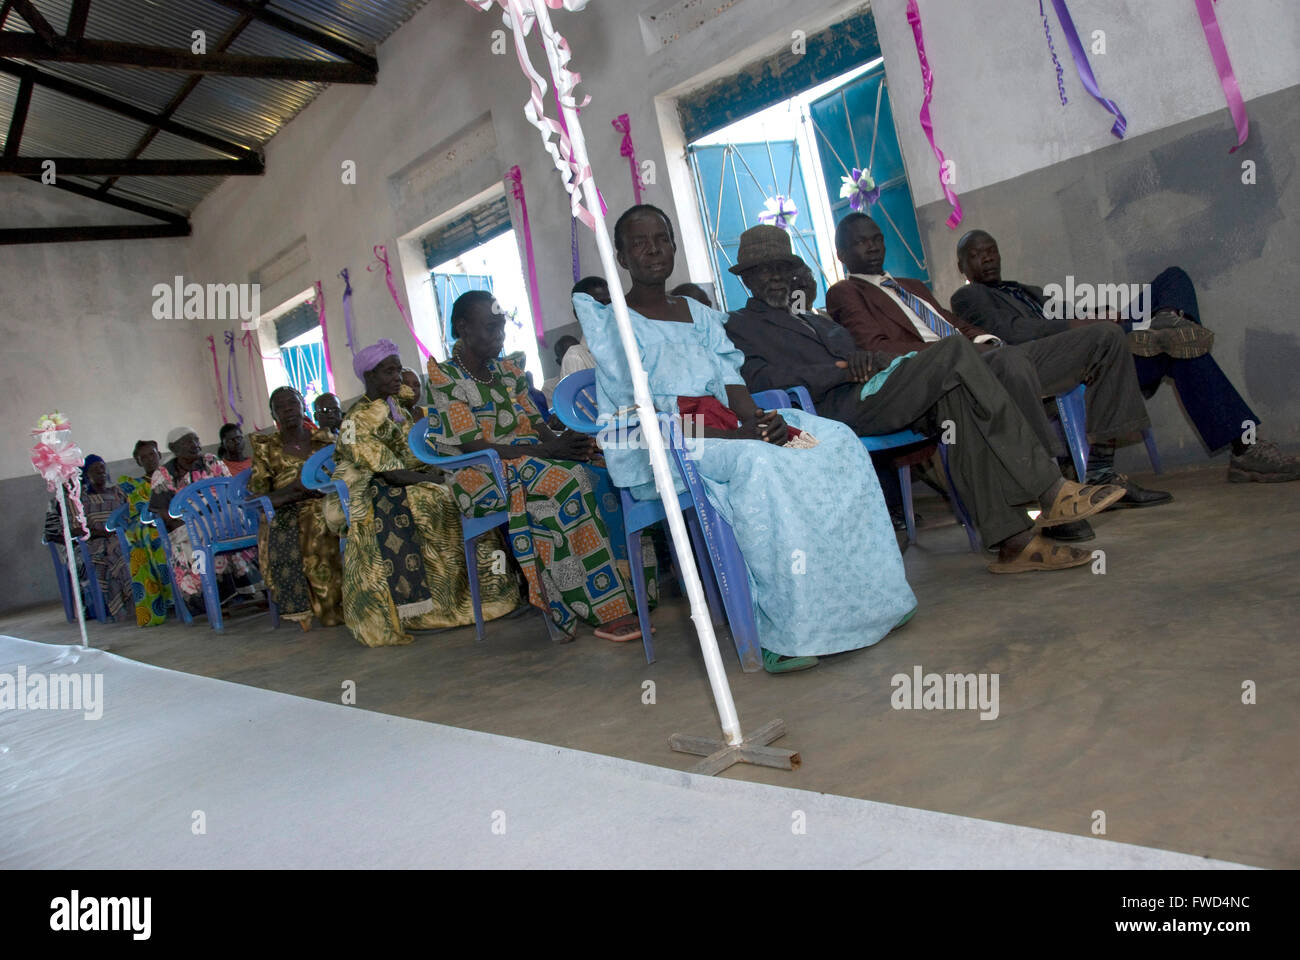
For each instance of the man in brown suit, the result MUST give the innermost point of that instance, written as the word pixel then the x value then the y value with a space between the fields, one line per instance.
pixel 900 315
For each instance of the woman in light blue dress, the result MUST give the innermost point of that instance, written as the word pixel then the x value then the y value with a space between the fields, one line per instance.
pixel 824 567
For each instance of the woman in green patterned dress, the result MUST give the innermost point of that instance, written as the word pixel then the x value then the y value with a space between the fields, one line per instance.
pixel 403 564
pixel 151 589
pixel 557 535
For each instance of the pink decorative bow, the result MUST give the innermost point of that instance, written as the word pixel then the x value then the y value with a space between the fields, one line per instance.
pixel 59 462
pixel 623 125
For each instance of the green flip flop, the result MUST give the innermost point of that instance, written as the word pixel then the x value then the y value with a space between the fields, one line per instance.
pixel 774 662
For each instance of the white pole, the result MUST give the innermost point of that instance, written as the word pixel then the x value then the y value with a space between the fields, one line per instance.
pixel 72 563
pixel 646 411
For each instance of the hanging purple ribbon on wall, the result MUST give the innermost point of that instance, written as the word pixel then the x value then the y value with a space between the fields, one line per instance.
pixel 381 255
pixel 623 125
pixel 216 373
pixel 1085 69
pixel 927 79
pixel 232 377
pixel 515 178
pixel 1056 61
pixel 325 337
pixel 347 312
pixel 1228 79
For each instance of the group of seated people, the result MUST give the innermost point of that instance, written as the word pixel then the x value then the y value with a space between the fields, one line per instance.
pixel 795 486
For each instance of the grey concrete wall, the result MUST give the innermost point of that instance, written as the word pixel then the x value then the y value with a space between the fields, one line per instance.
pixel 1172 197
pixel 995 106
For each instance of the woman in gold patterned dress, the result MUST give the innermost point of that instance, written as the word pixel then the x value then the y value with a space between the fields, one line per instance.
pixel 404 566
pixel 297 553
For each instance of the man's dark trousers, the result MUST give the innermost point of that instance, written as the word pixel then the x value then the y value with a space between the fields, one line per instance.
pixel 1212 403
pixel 996 460
pixel 1098 355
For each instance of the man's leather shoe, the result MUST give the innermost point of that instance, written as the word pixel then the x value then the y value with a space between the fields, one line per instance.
pixel 1134 496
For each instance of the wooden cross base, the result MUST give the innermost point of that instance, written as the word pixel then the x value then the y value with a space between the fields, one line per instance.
pixel 719 755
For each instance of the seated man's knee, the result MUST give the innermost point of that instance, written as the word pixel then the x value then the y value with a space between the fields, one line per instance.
pixel 1010 362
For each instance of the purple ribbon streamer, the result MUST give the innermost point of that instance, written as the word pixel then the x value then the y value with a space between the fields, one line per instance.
pixel 347 312
pixel 232 374
pixel 1085 69
pixel 927 80
pixel 1056 61
pixel 1227 79
pixel 325 337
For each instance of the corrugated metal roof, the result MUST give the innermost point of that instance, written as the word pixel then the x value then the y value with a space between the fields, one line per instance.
pixel 244 110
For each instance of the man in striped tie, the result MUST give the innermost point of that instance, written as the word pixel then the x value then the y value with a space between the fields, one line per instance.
pixel 900 315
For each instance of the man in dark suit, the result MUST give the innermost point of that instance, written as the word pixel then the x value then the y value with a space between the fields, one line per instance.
pixel 996 462
pixel 1174 345
pixel 900 315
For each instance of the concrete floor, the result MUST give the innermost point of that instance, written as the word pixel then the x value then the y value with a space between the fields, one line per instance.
pixel 1120 693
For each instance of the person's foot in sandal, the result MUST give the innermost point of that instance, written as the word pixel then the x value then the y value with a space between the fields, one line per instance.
pixel 774 662
pixel 1071 501
pixel 1039 554
pixel 621 630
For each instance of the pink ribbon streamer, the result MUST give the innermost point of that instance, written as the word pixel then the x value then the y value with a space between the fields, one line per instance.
pixel 623 125
pixel 325 337
pixel 247 341
pixel 216 373
pixel 515 178
pixel 520 18
pixel 347 312
pixel 1228 79
pixel 927 78
pixel 381 254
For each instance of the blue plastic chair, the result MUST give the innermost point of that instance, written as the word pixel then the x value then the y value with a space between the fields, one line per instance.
pixel 220 518
pixel 92 597
pixel 116 524
pixel 318 474
pixel 716 553
pixel 1073 412
pixel 471 528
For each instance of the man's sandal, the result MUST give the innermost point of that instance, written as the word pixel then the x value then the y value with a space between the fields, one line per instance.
pixel 1075 502
pixel 1042 554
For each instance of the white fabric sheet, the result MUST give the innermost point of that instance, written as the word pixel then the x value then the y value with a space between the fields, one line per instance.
pixel 286 782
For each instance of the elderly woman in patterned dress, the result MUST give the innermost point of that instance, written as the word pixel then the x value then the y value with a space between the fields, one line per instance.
pixel 478 402
pixel 403 567
pixel 298 554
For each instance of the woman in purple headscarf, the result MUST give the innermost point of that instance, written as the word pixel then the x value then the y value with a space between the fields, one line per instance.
pixel 403 566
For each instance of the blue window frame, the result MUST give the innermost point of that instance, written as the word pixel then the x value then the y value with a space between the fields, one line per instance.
pixel 854 127
pixel 447 287
pixel 734 182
